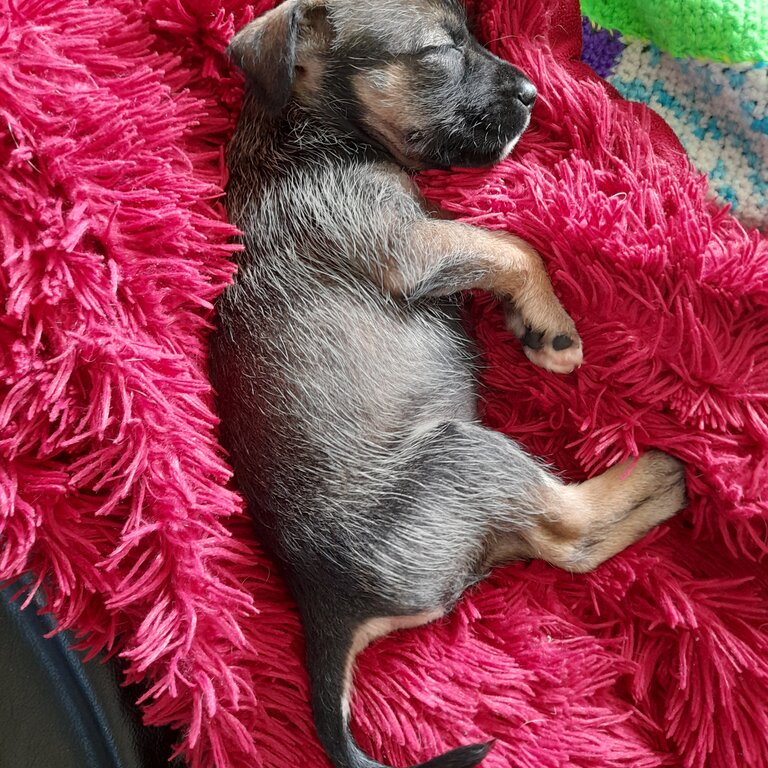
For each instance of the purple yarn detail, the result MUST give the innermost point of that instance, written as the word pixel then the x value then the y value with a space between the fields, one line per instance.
pixel 601 49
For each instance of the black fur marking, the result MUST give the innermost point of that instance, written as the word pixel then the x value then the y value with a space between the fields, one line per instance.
pixel 641 502
pixel 463 757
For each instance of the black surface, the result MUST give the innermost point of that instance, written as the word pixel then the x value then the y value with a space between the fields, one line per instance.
pixel 58 712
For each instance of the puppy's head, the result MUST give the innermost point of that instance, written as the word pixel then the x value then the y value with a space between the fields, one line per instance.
pixel 406 74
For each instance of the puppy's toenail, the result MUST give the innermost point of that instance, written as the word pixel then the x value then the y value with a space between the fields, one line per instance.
pixel 560 343
pixel 532 339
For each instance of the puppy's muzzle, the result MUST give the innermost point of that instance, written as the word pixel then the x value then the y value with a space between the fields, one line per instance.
pixel 515 86
pixel 525 93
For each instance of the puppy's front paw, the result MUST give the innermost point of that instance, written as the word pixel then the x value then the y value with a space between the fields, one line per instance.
pixel 559 350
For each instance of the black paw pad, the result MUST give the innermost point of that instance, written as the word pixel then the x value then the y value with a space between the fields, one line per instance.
pixel 561 342
pixel 533 340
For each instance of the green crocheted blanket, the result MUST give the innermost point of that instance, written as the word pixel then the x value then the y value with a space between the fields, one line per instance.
pixel 723 30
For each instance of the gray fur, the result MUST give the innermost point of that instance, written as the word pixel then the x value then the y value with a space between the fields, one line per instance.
pixel 345 380
pixel 351 386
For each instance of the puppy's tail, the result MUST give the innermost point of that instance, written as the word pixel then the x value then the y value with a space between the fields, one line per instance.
pixel 331 650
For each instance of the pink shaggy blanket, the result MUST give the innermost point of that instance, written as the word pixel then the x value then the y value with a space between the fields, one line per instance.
pixel 114 493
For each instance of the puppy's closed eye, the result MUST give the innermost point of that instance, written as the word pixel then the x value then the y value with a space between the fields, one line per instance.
pixel 444 48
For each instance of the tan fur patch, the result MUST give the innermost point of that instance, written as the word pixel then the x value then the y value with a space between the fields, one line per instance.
pixel 587 523
pixel 373 629
pixel 386 108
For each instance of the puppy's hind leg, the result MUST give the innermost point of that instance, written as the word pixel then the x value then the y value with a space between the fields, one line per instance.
pixel 583 525
pixel 333 642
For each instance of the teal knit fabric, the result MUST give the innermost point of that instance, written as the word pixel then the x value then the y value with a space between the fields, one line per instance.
pixel 720 114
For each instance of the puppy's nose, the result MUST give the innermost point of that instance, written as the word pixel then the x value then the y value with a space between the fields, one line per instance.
pixel 526 93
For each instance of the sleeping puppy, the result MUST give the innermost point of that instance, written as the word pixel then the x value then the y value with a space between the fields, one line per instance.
pixel 345 381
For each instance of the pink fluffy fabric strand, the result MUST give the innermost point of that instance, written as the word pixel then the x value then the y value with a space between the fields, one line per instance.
pixel 116 498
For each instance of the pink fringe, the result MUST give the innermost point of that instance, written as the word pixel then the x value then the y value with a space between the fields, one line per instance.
pixel 114 493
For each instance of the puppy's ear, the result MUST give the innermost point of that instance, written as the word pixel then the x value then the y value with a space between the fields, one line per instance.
pixel 266 49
